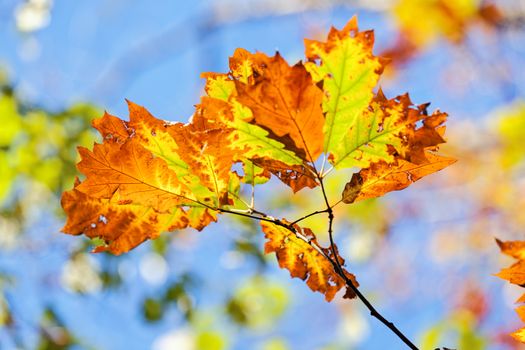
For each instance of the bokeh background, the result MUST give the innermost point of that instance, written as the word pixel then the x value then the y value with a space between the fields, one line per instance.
pixel 425 256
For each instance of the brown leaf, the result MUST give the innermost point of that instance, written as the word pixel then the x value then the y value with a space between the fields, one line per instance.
pixel 299 253
pixel 295 176
pixel 285 100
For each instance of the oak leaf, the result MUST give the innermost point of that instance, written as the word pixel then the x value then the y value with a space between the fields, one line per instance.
pixel 348 71
pixel 126 179
pixel 121 225
pixel 515 274
pixel 392 150
pixel 382 177
pixel 520 333
pixel 298 251
pixel 515 249
pixel 284 100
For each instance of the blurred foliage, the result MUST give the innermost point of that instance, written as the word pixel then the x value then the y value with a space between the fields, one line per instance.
pixel 38 147
pixel 511 127
pixel 442 18
pixel 210 341
pixel 458 329
pixel 275 344
pixel 176 294
pixel 53 334
pixel 37 161
pixel 258 303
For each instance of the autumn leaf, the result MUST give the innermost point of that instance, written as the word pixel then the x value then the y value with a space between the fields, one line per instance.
pixel 299 252
pixel 285 100
pixel 515 249
pixel 515 274
pixel 260 143
pixel 382 177
pixel 125 179
pixel 249 141
pixel 348 71
pixel 520 333
pixel 393 151
pixel 122 225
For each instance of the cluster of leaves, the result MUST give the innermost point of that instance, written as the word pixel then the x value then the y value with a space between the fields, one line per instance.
pixel 262 118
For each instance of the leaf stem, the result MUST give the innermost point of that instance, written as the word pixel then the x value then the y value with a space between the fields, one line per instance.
pixel 323 175
pixel 311 214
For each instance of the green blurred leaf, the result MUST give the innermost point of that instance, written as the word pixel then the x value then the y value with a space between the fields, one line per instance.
pixel 153 309
pixel 9 119
pixel 258 303
pixel 53 333
pixel 511 128
pixel 275 344
pixel 210 340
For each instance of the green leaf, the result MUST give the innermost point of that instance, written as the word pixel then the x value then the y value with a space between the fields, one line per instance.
pixel 349 72
pixel 10 120
pixel 255 142
pixel 368 139
pixel 210 340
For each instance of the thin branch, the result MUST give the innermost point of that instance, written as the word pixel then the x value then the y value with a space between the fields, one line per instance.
pixel 307 216
pixel 251 216
pixel 289 227
pixel 340 271
pixel 258 215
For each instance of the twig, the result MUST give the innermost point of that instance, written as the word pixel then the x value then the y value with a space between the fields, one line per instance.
pixel 258 215
pixel 307 216
pixel 341 273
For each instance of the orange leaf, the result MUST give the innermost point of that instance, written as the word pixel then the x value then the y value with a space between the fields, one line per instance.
pixel 382 177
pixel 516 249
pixel 515 274
pixel 136 173
pixel 285 100
pixel 299 253
pixel 122 225
pixel 519 335
pixel 208 157
pixel 131 192
pixel 112 128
